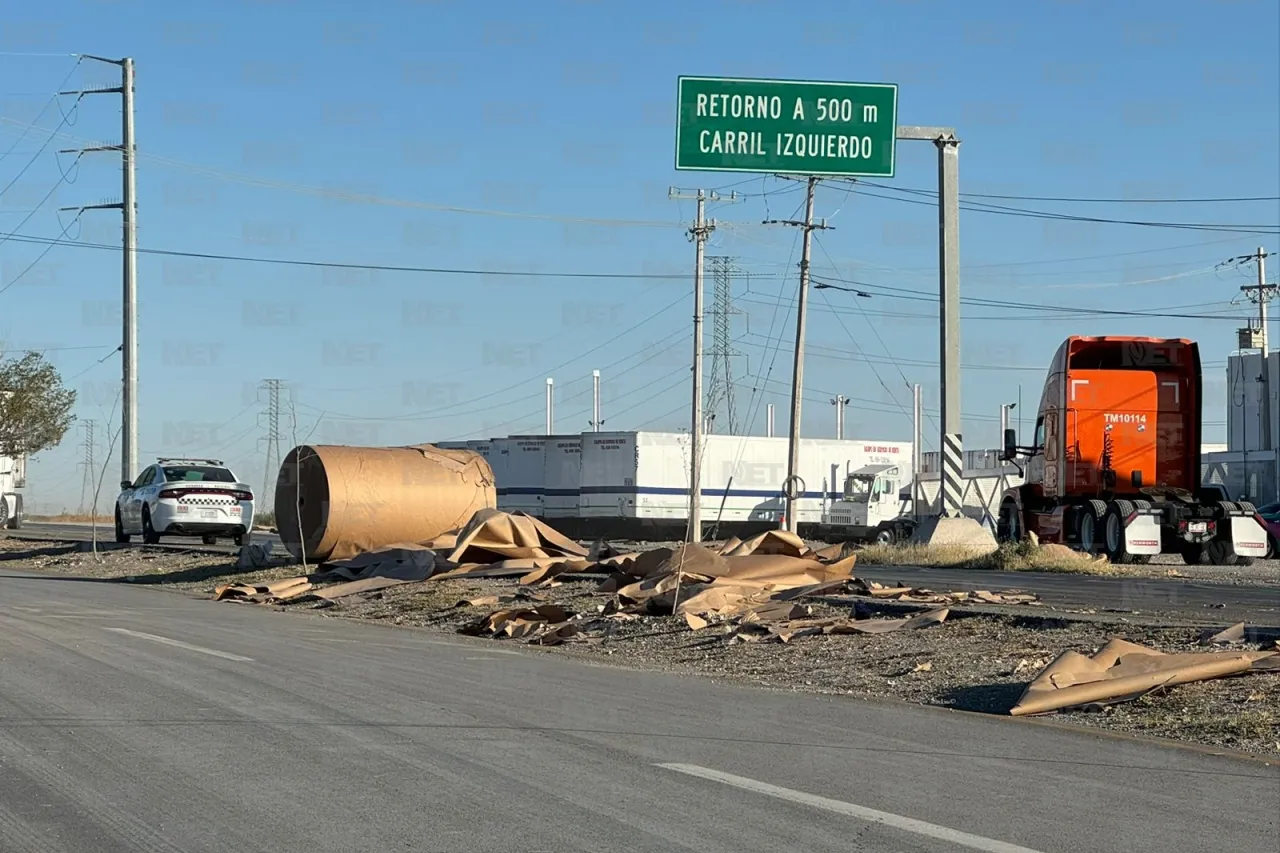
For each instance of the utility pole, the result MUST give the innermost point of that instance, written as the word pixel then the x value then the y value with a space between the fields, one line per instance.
pixel 698 234
pixel 86 487
pixel 128 207
pixel 792 487
pixel 840 402
pixel 551 405
pixel 768 422
pixel 917 450
pixel 1262 293
pixel 595 401
pixel 272 438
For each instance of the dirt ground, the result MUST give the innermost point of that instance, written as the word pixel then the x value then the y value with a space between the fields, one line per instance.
pixel 975 663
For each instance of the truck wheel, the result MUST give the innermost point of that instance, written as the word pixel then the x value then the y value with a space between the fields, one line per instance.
pixel 884 536
pixel 1221 553
pixel 1113 532
pixel 1088 520
pixel 1230 557
pixel 1009 523
pixel 15 520
pixel 4 512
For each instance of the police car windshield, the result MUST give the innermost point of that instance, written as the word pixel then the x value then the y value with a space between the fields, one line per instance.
pixel 197 473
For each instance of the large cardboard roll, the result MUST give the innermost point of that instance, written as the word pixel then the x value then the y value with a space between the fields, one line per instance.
pixel 343 501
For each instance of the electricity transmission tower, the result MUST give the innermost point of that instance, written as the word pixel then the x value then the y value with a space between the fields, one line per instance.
pixel 272 438
pixel 128 207
pixel 86 485
pixel 720 388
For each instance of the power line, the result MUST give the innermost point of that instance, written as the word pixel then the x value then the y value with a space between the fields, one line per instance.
pixel 1005 210
pixel 1078 200
pixel 434 414
pixel 857 303
pixel 52 100
pixel 369 198
pixel 1224 312
pixel 863 289
pixel 341 265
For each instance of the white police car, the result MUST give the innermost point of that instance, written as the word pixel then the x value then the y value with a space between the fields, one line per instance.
pixel 184 497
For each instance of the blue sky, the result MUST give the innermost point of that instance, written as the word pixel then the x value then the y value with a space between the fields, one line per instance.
pixel 527 136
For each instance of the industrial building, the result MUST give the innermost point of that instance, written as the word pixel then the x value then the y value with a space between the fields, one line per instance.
pixel 1248 465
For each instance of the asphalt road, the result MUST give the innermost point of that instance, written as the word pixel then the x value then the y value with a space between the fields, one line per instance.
pixel 1216 602
pixel 132 721
pixel 80 532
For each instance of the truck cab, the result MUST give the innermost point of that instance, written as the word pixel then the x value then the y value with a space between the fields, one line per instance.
pixel 1115 463
pixel 13 478
pixel 875 505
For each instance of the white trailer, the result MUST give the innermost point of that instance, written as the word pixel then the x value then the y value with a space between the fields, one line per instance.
pixel 641 479
pixel 521 485
pixel 13 477
pixel 562 476
pixel 483 446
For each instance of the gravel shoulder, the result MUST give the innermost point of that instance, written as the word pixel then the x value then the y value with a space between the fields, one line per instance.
pixel 975 661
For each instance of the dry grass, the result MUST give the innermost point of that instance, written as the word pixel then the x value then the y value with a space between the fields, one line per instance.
pixel 1022 557
pixel 73 518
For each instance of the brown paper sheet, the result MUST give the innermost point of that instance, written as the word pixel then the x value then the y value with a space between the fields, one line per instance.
pixel 1121 669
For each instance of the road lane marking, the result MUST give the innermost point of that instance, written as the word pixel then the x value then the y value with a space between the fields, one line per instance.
pixel 919 827
pixel 179 644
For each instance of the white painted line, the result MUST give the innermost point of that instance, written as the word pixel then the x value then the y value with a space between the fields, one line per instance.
pixel 179 644
pixel 919 827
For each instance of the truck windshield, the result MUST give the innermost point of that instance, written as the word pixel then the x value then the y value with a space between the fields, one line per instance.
pixel 857 489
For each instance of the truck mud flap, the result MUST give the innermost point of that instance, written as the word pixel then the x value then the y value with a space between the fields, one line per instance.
pixel 1248 537
pixel 1142 532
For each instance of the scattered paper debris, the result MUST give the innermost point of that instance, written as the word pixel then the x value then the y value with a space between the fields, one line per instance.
pixel 755 587
pixel 1122 671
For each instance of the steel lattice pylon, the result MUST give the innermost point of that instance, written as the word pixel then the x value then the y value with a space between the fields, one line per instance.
pixel 720 388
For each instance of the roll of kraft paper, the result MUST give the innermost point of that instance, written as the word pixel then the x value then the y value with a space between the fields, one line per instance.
pixel 343 501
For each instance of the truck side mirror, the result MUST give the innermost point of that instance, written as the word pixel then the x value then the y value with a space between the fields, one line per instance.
pixel 1010 445
pixel 125 484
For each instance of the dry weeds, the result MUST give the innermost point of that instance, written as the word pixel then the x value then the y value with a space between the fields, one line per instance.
pixel 1022 557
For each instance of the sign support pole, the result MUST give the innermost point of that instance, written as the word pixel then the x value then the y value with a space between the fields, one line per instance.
pixel 951 458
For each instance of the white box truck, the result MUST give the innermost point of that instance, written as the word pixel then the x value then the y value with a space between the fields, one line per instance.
pixel 13 478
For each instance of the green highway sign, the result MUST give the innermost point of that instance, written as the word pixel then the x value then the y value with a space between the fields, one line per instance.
pixel 729 124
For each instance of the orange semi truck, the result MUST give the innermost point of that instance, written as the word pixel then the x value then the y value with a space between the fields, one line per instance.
pixel 1115 464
